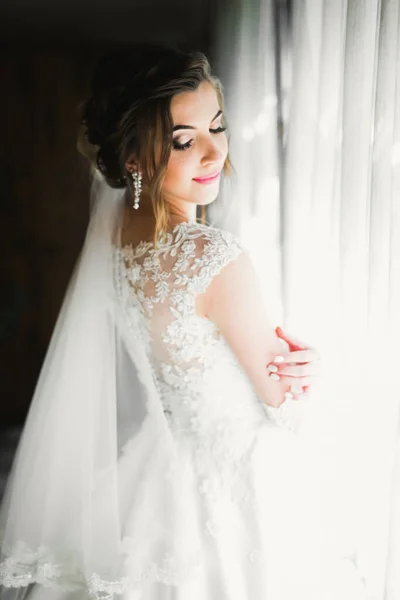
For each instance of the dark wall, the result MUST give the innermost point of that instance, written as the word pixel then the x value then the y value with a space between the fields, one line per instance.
pixel 46 57
pixel 107 20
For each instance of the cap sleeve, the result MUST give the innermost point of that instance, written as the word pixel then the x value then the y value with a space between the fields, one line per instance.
pixel 216 248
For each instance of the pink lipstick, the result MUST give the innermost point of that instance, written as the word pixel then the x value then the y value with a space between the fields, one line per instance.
pixel 209 179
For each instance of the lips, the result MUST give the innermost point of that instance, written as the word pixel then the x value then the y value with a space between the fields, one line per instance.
pixel 207 178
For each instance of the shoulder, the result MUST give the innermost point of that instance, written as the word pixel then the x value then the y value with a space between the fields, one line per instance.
pixel 210 250
pixel 214 241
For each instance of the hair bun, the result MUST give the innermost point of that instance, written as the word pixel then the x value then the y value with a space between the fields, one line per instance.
pixel 118 79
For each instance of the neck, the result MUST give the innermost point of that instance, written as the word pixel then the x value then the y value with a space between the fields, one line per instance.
pixel 178 210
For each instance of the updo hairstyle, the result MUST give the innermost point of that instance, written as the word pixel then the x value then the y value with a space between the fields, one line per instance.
pixel 129 109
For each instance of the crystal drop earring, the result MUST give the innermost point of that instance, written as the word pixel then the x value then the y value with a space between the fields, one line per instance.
pixel 137 184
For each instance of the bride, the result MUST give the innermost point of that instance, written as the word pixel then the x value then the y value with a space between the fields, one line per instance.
pixel 159 459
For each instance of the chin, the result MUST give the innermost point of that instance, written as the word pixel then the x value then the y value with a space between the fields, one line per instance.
pixel 206 201
pixel 207 198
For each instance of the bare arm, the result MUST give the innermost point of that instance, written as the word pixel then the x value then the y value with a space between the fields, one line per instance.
pixel 234 302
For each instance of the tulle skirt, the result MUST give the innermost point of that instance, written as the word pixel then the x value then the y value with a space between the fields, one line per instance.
pixel 277 549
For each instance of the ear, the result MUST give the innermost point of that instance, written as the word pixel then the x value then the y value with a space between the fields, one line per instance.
pixel 131 165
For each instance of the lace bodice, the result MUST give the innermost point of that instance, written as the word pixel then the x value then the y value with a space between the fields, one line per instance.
pixel 202 386
pixel 192 363
pixel 161 289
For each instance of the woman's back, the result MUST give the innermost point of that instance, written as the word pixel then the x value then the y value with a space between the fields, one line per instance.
pixel 202 385
pixel 228 448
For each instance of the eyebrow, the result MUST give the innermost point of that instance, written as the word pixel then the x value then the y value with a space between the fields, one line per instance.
pixel 190 127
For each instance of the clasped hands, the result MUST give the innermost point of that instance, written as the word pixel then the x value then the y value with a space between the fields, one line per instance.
pixel 297 367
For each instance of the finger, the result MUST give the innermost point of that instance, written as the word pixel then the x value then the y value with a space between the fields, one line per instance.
pixel 297 356
pixel 307 380
pixel 299 383
pixel 289 395
pixel 292 340
pixel 296 370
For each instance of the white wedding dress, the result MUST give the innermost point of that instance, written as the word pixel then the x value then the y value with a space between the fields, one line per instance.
pixel 250 486
pixel 253 488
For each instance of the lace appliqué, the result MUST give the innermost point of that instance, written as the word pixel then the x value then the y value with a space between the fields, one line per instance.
pixel 191 358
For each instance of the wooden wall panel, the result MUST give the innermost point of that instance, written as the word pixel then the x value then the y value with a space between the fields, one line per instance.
pixel 44 209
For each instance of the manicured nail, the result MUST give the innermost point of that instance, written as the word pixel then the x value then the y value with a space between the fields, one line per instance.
pixel 275 376
pixel 279 359
pixel 288 396
pixel 272 368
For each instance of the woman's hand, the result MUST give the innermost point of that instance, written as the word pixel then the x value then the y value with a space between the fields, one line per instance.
pixel 298 366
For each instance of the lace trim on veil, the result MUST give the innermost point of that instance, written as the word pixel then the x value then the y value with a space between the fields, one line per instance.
pixel 24 566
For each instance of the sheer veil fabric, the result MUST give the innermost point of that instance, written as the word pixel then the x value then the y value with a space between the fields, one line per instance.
pixel 62 518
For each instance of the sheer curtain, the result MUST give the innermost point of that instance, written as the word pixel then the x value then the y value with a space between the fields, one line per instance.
pixel 245 56
pixel 313 100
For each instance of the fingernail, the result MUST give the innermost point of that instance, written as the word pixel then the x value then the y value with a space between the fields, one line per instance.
pixel 272 368
pixel 279 359
pixel 288 396
pixel 275 376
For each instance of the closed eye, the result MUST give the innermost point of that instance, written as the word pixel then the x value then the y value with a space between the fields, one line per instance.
pixel 218 130
pixel 188 144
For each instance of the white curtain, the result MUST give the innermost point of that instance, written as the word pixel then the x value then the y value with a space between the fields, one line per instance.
pixel 313 100
pixel 245 56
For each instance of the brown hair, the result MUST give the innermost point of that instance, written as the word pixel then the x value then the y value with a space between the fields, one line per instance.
pixel 129 108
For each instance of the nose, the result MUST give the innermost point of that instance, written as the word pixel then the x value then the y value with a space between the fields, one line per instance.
pixel 213 153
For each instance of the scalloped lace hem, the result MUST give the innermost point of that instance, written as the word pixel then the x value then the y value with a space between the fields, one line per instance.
pixel 25 567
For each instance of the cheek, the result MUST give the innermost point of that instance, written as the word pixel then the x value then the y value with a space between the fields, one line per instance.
pixel 183 166
pixel 180 169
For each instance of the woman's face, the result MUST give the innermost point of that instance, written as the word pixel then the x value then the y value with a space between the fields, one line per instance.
pixel 199 149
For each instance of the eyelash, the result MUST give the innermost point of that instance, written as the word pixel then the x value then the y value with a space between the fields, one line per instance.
pixel 188 144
